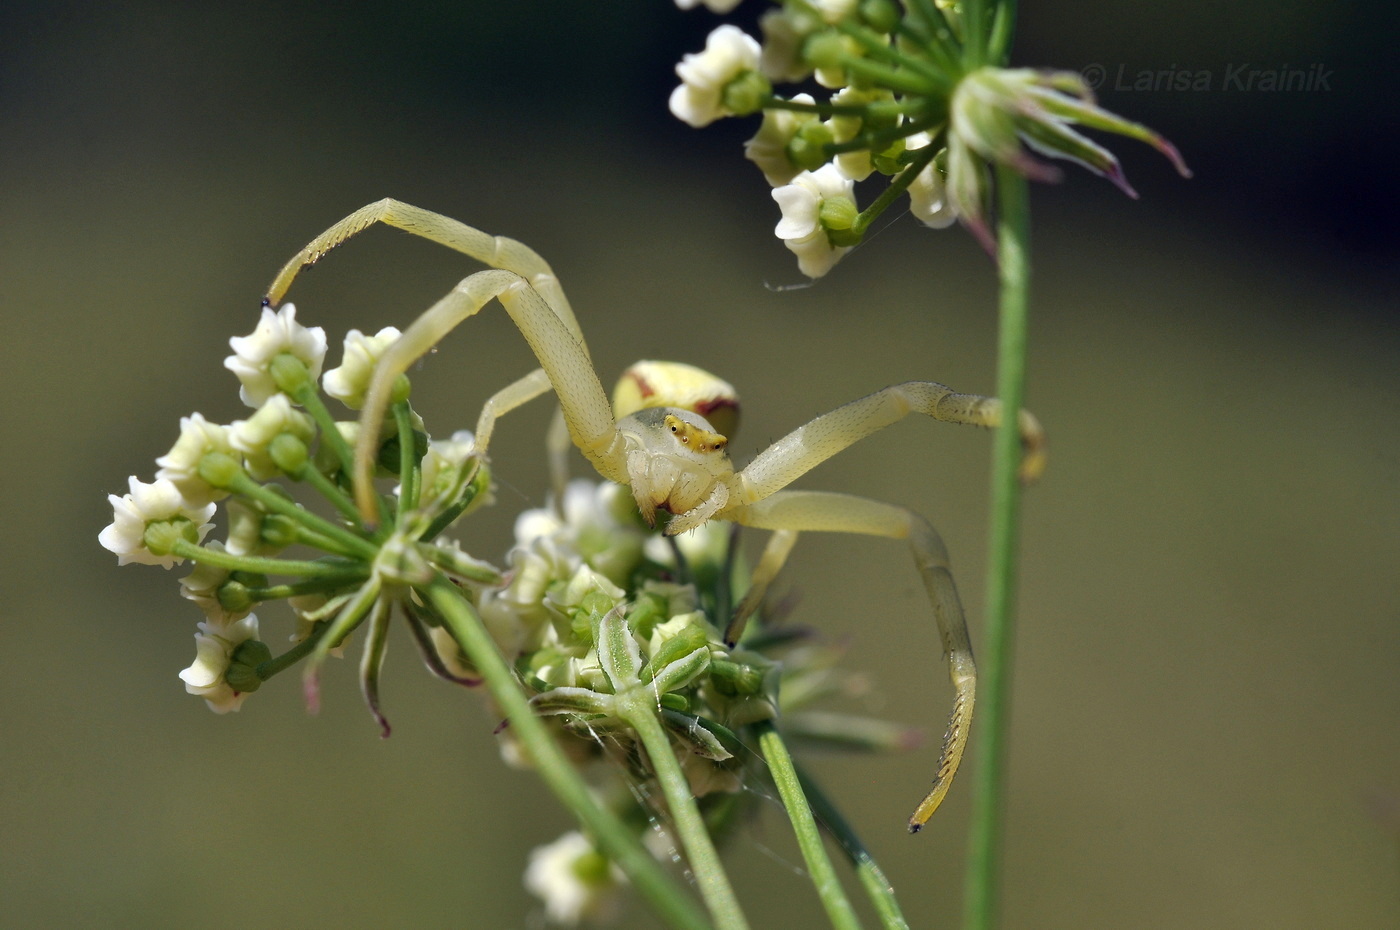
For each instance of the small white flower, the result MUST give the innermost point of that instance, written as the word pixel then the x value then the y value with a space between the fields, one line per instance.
pixel 769 147
pixel 928 198
pixel 214 646
pixel 350 381
pixel 800 228
pixel 714 6
pixel 181 464
pixel 729 52
pixel 574 880
pixel 157 502
pixel 253 436
pixel 276 333
pixel 783 34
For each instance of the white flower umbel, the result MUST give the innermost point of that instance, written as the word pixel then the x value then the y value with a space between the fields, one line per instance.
pixel 252 437
pixel 157 502
pixel 574 880
pixel 198 437
pixel 277 333
pixel 769 147
pixel 729 52
pixel 349 382
pixel 801 227
pixel 214 646
pixel 928 195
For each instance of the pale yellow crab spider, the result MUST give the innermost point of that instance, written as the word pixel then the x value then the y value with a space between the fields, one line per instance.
pixel 659 442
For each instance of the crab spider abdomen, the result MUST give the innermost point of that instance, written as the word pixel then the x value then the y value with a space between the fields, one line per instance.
pixel 675 384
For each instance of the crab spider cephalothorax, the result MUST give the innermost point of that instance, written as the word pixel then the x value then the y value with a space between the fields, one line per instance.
pixel 666 436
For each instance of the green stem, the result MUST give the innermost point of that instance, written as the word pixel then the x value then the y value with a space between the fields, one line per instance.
pixel 994 671
pixel 262 566
pixel 896 79
pixel 319 585
pixel 311 401
pixel 833 896
pixel 1003 28
pixel 247 487
pixel 974 20
pixel 879 47
pixel 621 845
pixel 295 654
pixel 330 491
pixel 408 471
pixel 895 188
pixel 933 44
pixel 637 707
pixel 872 877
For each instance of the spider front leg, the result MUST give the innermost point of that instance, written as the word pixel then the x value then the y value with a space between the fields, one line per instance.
pixel 791 512
pixel 496 251
pixel 562 356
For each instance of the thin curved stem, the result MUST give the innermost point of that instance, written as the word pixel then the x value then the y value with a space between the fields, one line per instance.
pixel 872 878
pixel 833 896
pixel 979 906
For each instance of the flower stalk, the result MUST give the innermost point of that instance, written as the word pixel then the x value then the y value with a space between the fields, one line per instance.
pixel 790 789
pixel 994 688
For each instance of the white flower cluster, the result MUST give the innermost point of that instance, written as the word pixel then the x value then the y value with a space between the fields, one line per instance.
pixel 814 191
pixel 180 503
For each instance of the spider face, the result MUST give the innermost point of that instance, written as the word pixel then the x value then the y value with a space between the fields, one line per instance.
pixel 676 462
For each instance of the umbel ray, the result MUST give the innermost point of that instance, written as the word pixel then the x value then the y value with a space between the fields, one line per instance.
pixel 663 435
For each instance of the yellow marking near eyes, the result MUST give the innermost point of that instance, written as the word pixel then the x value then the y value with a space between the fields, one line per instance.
pixel 693 436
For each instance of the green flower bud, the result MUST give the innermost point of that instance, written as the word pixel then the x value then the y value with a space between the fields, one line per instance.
pixel 400 391
pixel 242 674
pixel 234 597
pixel 838 213
pixel 673 701
pixel 880 15
pixel 824 49
pixel 161 535
pixel 290 374
pixel 745 94
pixel 735 678
pixel 288 452
pixel 219 469
pixel 278 530
pixel 807 149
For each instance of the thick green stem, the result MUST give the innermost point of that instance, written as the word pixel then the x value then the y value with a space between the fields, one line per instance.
pixel 994 669
pixel 833 896
pixel 620 844
pixel 872 877
pixel 638 709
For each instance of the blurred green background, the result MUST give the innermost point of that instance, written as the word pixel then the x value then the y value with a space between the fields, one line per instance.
pixel 1207 697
